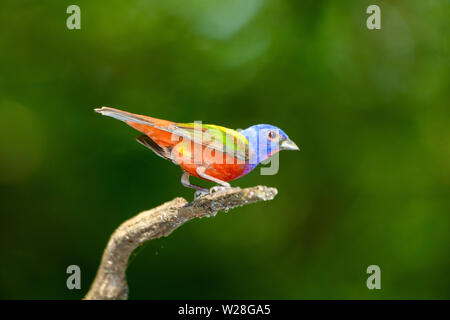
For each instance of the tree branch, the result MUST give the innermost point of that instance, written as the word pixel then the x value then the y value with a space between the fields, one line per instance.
pixel 110 281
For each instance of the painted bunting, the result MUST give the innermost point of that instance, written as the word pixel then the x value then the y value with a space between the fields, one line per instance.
pixel 206 151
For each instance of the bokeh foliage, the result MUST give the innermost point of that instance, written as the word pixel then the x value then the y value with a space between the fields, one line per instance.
pixel 369 109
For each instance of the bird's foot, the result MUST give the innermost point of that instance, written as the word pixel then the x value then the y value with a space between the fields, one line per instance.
pixel 205 192
pixel 218 189
pixel 200 193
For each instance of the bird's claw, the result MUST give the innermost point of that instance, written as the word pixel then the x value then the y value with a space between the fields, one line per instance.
pixel 218 189
pixel 205 192
pixel 200 193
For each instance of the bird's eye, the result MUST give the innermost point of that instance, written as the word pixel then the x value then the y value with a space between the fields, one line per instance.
pixel 272 135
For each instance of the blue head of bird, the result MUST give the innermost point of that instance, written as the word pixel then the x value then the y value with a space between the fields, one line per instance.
pixel 265 140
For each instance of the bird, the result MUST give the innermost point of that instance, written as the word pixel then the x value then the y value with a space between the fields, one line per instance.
pixel 206 151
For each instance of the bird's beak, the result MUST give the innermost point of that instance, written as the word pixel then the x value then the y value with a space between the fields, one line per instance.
pixel 288 145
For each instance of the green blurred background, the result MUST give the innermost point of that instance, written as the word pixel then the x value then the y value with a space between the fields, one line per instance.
pixel 369 109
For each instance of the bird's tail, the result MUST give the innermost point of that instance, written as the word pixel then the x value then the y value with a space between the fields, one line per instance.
pixel 157 129
pixel 125 116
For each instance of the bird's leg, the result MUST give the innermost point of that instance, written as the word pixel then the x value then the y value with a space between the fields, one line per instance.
pixel 201 173
pixel 185 182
